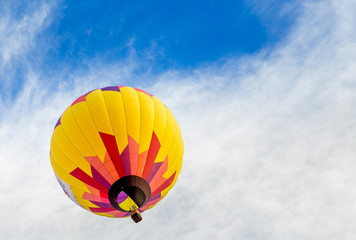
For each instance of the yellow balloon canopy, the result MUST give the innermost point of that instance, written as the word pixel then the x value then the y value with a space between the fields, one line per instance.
pixel 117 151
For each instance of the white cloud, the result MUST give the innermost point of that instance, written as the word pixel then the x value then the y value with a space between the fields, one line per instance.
pixel 19 24
pixel 268 144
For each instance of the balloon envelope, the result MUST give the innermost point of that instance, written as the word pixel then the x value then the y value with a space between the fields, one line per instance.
pixel 116 149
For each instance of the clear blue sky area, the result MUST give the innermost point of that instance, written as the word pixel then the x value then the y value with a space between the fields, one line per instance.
pixel 168 33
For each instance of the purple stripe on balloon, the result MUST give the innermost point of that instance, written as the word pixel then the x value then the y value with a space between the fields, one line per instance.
pixel 121 214
pixel 155 197
pixel 122 197
pixel 153 171
pixel 89 92
pixel 112 88
pixel 99 178
pixel 58 123
pixel 102 210
pixel 102 204
pixel 125 160
pixel 153 201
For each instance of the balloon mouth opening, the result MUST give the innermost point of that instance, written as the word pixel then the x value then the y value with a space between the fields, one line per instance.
pixel 133 187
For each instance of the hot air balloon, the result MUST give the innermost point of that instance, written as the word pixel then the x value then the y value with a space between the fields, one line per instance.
pixel 117 151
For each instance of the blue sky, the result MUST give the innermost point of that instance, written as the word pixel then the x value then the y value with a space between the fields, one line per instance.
pixel 168 34
pixel 263 91
pixel 161 35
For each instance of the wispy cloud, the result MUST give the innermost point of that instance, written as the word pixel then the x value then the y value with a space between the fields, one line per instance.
pixel 18 29
pixel 268 143
pixel 20 24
